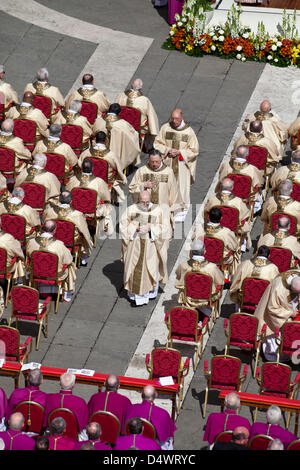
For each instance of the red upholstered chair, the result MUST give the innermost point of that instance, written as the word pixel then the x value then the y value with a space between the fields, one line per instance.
pixel 148 429
pixel 295 445
pixel 35 195
pixel 44 270
pixel 131 115
pixel 25 306
pixel 182 323
pixel 165 362
pixel 296 192
pixel 100 168
pixel 198 293
pixel 241 331
pixel 89 110
pixel 2 112
pixel 225 374
pixel 7 163
pixel 15 225
pixel 110 425
pixel 251 293
pixel 257 156
pixel 43 103
pixel 56 165
pixel 289 341
pixel 65 232
pixel 230 217
pixel 26 129
pixel 4 274
pixel 85 201
pixel 73 135
pixel 14 351
pixel 274 379
pixel 274 222
pixel 33 414
pixel 282 257
pixel 260 442
pixel 224 436
pixel 69 416
pixel 214 252
pixel 242 189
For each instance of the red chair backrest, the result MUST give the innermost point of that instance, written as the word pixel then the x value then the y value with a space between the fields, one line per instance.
pixel 225 371
pixel 260 442
pixel 84 200
pixel 44 265
pixel 65 232
pixel 15 225
pixel 89 110
pixel 24 300
pixel 243 328
pixel 149 430
pixel 56 165
pixel 275 218
pixel 26 130
pixel 198 285
pixel 1 111
pixel 242 185
pixel 7 160
pixel 70 419
pixel 253 290
pixel 100 168
pixel 290 337
pixel 230 217
pixel 282 257
pixel 11 339
pixel 275 378
pixel 257 157
pixel 184 322
pixel 72 135
pixel 110 425
pixel 43 103
pixel 214 249
pixel 225 436
pixel 34 195
pixel 295 445
pixel 296 192
pixel 165 362
pixel 33 414
pixel 3 259
pixel 131 115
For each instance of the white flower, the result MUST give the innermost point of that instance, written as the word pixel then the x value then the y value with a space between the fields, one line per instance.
pixel 213 48
pixel 243 59
pixel 221 38
pixel 179 24
pixel 279 44
pixel 239 48
pixel 176 16
pixel 172 33
pixel 245 35
pixel 269 57
pixel 275 60
pixel 215 38
pixel 184 19
pixel 221 31
pixel 274 47
pixel 238 56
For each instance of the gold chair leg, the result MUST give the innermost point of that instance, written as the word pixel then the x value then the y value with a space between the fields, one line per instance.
pixel 7 292
pixel 198 353
pixel 205 402
pixel 38 337
pixel 57 299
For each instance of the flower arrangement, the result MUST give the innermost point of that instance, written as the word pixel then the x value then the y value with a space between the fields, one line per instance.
pixel 191 34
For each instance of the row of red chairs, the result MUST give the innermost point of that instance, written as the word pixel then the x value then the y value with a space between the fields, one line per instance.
pixel 259 442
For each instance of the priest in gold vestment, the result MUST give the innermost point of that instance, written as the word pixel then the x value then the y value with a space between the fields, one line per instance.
pixel 291 171
pixel 273 127
pixel 143 254
pixel 259 267
pixel 88 92
pixel 9 141
pixel 115 176
pixel 134 98
pixel 14 250
pixel 72 116
pixel 278 304
pixel 159 180
pixel 123 139
pixel 47 242
pixel 10 95
pixel 179 146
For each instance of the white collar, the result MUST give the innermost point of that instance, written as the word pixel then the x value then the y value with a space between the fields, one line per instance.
pixel 225 191
pixel 6 133
pixel 55 139
pixel 72 111
pixel 88 87
pixel 38 166
pixel 15 200
pixel 99 146
pixel 47 235
pixel 198 258
pixel 181 125
pixel 27 105
pixel 64 205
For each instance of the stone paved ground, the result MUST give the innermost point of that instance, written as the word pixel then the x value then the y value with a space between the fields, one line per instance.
pixel 99 329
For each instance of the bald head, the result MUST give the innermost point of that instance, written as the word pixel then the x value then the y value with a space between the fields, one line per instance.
pixel 28 97
pixel 242 151
pixel 176 117
pixel 227 184
pixel 240 435
pixel 198 248
pixel 283 223
pixel 144 197
pixel 7 125
pixel 112 383
pixel 137 84
pixel 265 106
pixel 16 421
pixel 149 393
pixel 295 285
pixel 256 126
pixel 93 431
pixel 49 226
pixel 232 401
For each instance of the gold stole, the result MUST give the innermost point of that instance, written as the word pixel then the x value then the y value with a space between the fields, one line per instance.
pixel 157 178
pixel 176 138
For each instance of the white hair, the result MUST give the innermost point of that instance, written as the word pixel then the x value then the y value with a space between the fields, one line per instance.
pixel 18 192
pixel 198 246
pixel 137 84
pixel 276 444
pixel 273 414
pixel 75 105
pixel 8 125
pixel 67 381
pixel 232 401
pixel 40 159
pixel 42 74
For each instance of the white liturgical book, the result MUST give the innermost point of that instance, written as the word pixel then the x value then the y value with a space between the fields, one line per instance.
pixel 166 381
